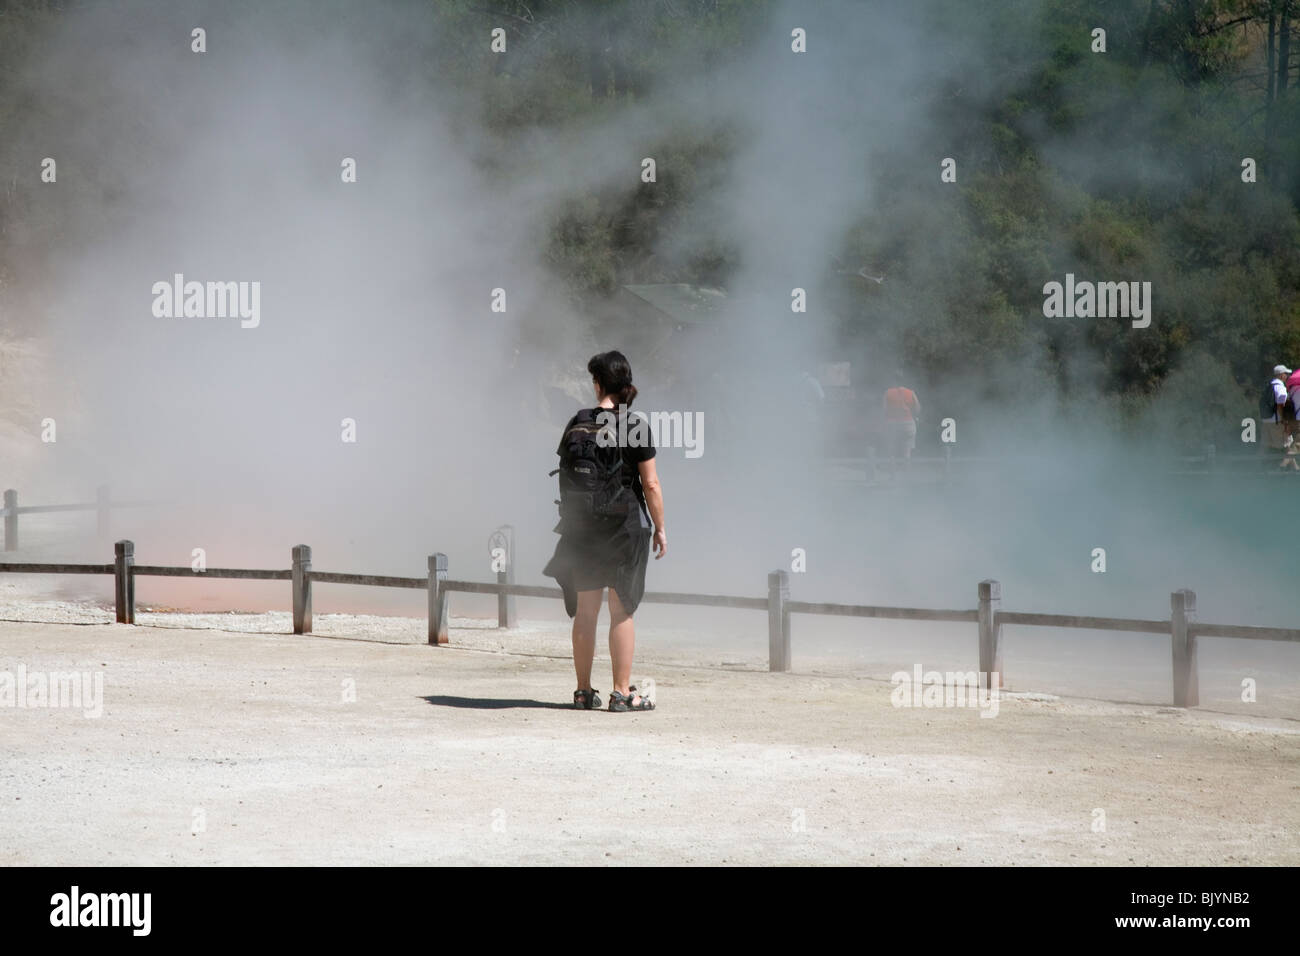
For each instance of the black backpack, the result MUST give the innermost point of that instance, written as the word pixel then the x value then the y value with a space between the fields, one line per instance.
pixel 591 474
pixel 1267 402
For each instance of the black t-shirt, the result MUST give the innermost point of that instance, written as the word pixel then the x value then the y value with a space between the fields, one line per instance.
pixel 636 444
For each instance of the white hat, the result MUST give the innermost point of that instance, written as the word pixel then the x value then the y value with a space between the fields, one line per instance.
pixel 1281 370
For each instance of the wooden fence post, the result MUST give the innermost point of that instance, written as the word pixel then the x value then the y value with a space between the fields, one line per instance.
pixel 101 512
pixel 437 599
pixel 504 538
pixel 990 602
pixel 301 589
pixel 11 520
pixel 506 602
pixel 778 621
pixel 124 581
pixel 1187 691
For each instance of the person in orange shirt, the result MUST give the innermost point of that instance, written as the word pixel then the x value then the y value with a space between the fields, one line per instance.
pixel 902 409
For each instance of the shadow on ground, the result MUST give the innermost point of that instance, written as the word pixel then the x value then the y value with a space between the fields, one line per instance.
pixel 493 703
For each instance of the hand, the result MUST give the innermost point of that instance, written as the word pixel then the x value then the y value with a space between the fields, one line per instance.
pixel 660 543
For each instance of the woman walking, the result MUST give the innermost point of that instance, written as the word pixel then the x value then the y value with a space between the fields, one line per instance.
pixel 609 494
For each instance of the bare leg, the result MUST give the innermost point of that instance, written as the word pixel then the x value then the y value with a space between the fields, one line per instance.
pixel 584 635
pixel 622 644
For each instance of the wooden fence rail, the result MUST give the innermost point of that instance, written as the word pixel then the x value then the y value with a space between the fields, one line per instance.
pixel 1182 626
pixel 29 568
pixel 103 506
pixel 374 580
pixel 160 571
pixel 1093 623
pixel 896 613
pixel 1243 631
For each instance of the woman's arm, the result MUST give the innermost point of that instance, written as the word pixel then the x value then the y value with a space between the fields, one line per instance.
pixel 654 499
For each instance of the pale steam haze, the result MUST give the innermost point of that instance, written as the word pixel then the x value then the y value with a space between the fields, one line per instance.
pixel 375 305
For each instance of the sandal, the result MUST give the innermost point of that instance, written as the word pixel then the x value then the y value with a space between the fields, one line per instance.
pixel 620 703
pixel 586 699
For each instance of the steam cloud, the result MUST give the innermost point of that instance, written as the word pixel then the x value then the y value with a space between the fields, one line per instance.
pixel 375 297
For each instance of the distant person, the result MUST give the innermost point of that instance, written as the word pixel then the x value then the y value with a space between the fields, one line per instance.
pixel 814 395
pixel 1272 409
pixel 1292 381
pixel 811 408
pixel 609 492
pixel 1291 420
pixel 902 410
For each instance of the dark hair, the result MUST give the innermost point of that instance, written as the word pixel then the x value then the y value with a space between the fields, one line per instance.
pixel 614 376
